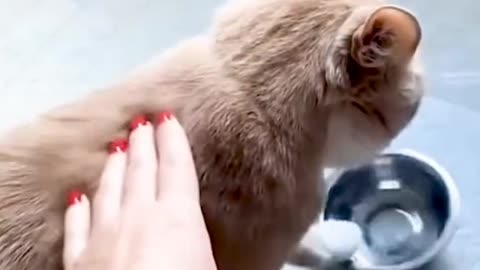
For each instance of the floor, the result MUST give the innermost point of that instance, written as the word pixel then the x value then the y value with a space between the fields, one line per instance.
pixel 53 51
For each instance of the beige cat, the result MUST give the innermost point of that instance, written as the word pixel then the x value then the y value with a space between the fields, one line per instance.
pixel 274 93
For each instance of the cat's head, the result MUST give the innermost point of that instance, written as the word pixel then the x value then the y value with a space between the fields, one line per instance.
pixel 373 41
pixel 313 44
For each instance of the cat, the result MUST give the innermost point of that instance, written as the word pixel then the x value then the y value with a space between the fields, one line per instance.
pixel 273 93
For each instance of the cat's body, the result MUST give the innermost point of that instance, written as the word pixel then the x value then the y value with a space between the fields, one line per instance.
pixel 266 103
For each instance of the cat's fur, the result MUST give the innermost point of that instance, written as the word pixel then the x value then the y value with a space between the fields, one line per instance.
pixel 277 91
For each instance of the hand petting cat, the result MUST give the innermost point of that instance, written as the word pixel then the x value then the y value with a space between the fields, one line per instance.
pixel 146 214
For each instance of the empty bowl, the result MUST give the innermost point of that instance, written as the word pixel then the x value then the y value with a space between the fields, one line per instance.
pixel 405 204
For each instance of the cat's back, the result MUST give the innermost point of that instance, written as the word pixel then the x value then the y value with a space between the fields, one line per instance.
pixel 65 148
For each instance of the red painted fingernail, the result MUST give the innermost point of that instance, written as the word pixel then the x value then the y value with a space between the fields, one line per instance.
pixel 138 121
pixel 74 197
pixel 163 116
pixel 118 145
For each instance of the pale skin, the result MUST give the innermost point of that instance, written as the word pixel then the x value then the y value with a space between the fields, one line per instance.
pixel 146 213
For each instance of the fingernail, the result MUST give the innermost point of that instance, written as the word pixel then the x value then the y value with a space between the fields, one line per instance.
pixel 163 116
pixel 118 145
pixel 140 120
pixel 74 197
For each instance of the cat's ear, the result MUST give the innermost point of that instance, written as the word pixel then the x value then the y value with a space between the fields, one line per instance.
pixel 389 34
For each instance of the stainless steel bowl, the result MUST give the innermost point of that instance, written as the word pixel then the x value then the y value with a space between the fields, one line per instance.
pixel 406 205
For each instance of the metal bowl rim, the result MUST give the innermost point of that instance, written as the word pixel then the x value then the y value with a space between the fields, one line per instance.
pixel 451 225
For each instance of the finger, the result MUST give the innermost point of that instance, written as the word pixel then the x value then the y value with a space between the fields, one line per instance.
pixel 140 184
pixel 77 228
pixel 176 170
pixel 107 200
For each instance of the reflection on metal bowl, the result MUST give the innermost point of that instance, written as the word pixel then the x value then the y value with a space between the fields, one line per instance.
pixel 406 205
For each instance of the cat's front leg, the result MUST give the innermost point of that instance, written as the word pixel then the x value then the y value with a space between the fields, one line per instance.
pixel 304 258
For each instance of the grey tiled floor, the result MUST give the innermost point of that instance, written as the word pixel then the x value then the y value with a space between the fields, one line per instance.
pixel 451 48
pixel 52 51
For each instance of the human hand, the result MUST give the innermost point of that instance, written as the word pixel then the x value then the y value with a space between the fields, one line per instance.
pixel 146 213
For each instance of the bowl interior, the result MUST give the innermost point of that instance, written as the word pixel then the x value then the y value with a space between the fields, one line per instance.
pixel 400 203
